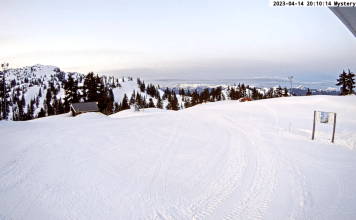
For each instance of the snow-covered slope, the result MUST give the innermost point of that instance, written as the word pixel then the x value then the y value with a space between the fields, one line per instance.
pixel 222 160
pixel 32 83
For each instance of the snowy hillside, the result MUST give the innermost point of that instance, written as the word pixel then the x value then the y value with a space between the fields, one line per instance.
pixel 221 160
pixel 29 87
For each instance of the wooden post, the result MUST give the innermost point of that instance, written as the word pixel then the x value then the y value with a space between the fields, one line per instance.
pixel 332 140
pixel 313 126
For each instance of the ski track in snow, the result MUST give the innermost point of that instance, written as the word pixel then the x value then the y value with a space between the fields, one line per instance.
pixel 222 187
pixel 295 179
pixel 209 162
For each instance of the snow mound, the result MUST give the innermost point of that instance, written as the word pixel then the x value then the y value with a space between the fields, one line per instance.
pixel 143 112
pixel 91 115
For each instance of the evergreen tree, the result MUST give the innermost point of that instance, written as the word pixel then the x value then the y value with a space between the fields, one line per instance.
pixel 350 82
pixel 47 103
pixel 279 92
pixel 169 106
pixel 150 103
pixel 138 99
pixel 125 104
pixel 4 99
pixel 159 103
pixel 173 102
pixel 234 94
pixel 342 81
pixel 187 102
pixel 31 109
pixel 242 91
pixel 106 100
pixel 166 94
pixel 23 100
pixel 60 106
pixel 102 98
pixel 308 92
pixel 20 110
pixel 55 105
pixel 42 113
pixel 15 112
pixel 132 99
pixel 143 86
pixel 71 91
pixel 91 87
pixel 144 103
pixel 37 101
pixel 204 96
pixel 110 108
pixel 116 107
pixel 195 98
pixel 270 94
pixel 285 92
pixel 255 94
pixel 182 92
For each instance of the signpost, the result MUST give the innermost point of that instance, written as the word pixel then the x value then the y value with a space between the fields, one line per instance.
pixel 325 118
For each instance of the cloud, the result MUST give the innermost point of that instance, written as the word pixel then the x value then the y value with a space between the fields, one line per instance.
pixel 230 70
pixel 76 53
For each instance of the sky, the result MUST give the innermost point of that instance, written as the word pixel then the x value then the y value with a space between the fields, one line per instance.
pixel 176 39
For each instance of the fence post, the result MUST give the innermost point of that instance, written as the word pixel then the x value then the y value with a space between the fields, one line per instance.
pixel 313 126
pixel 332 140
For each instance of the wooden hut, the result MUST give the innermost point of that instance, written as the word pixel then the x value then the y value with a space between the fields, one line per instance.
pixel 82 107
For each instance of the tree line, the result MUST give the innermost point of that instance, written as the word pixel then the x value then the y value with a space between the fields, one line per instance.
pixel 97 89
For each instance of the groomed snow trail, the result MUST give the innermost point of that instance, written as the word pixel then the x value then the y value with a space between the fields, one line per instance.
pixel 225 160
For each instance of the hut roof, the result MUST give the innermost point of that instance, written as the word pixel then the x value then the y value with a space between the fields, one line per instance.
pixel 85 107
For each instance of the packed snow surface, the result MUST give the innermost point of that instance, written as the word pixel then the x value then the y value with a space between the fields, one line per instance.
pixel 224 160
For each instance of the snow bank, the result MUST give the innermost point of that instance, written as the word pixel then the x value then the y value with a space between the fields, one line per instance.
pixel 143 112
pixel 91 115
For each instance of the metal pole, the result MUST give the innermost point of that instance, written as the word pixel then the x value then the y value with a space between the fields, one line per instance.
pixel 332 140
pixel 291 85
pixel 4 66
pixel 4 96
pixel 313 126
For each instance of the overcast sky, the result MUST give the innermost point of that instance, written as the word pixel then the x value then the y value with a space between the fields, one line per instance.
pixel 175 39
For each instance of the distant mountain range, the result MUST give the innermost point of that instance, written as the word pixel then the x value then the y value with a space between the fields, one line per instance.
pixel 299 91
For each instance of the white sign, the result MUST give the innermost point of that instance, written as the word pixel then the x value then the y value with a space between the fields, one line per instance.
pixel 325 117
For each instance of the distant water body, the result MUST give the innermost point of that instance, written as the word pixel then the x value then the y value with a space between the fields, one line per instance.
pixel 259 82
